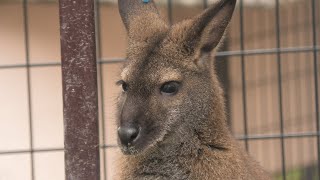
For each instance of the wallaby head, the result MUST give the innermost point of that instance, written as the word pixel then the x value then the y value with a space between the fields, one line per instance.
pixel 170 90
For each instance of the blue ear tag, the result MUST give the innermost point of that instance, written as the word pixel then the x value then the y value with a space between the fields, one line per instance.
pixel 145 1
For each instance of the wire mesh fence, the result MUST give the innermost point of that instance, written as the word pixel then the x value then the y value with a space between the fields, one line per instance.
pixel 269 72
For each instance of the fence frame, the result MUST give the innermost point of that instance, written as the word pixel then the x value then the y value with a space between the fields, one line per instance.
pixel 92 52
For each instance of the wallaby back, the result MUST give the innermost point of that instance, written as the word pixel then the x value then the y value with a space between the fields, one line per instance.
pixel 171 114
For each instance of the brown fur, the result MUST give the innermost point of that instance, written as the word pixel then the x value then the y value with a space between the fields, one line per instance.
pixel 183 136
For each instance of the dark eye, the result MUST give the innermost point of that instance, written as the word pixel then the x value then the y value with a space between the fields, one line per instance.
pixel 170 88
pixel 124 86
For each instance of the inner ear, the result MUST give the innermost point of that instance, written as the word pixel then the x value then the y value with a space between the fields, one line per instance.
pixel 203 59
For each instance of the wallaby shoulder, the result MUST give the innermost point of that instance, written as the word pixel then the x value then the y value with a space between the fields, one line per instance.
pixel 204 163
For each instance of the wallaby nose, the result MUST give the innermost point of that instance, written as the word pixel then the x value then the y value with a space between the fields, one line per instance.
pixel 128 134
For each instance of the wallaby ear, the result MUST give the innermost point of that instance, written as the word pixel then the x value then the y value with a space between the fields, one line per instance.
pixel 208 28
pixel 141 19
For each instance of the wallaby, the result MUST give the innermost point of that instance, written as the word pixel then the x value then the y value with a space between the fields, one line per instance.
pixel 171 116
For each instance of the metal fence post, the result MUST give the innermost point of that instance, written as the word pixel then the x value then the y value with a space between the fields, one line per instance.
pixel 80 93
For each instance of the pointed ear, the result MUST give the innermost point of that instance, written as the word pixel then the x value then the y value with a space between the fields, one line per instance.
pixel 141 19
pixel 208 28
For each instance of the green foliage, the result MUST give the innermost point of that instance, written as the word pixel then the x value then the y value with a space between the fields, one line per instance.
pixel 299 174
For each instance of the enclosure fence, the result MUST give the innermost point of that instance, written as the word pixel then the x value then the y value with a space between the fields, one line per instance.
pixel 283 56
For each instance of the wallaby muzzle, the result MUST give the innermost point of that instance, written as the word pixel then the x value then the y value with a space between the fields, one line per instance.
pixel 128 134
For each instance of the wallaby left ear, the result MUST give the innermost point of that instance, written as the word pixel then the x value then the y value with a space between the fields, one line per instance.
pixel 141 19
pixel 208 28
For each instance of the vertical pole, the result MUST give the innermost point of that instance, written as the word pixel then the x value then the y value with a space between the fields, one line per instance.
pixel 205 4
pixel 170 12
pixel 243 77
pixel 316 78
pixel 80 94
pixel 101 80
pixel 279 64
pixel 26 41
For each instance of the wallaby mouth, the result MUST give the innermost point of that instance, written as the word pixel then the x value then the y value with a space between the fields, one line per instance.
pixel 134 139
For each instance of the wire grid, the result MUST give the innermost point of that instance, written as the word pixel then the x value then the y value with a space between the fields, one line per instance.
pixel 242 53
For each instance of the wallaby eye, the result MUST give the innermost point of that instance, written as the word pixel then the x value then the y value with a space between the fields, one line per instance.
pixel 124 86
pixel 170 88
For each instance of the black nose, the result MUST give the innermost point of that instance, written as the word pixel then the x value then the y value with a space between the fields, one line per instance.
pixel 128 134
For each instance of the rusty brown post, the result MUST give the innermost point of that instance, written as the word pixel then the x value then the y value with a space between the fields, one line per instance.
pixel 80 96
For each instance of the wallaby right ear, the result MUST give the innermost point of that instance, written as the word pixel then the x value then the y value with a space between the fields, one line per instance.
pixel 204 32
pixel 141 19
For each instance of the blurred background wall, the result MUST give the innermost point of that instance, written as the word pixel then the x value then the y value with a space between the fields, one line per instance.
pixel 31 108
